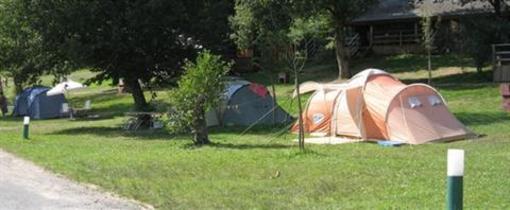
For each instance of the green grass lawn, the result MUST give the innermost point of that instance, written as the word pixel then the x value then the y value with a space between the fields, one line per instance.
pixel 264 170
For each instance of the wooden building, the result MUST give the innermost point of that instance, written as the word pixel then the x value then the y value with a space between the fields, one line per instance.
pixel 394 26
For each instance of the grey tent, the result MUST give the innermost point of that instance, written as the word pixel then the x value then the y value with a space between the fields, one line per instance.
pixel 35 103
pixel 245 104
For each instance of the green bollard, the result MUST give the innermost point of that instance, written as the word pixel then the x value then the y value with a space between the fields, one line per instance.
pixel 455 172
pixel 26 123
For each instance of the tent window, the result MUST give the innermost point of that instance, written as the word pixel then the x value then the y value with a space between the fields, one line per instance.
pixel 434 100
pixel 317 118
pixel 234 107
pixel 414 102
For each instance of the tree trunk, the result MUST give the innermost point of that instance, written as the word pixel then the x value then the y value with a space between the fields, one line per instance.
pixel 200 131
pixel 497 7
pixel 273 90
pixel 342 58
pixel 301 134
pixel 1 85
pixel 137 93
pixel 479 69
pixel 18 84
pixel 429 59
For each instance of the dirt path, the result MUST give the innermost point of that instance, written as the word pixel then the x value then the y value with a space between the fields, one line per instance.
pixel 26 186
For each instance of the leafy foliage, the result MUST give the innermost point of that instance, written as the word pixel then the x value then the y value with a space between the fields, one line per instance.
pixel 262 25
pixel 270 27
pixel 199 90
pixel 337 15
pixel 22 56
pixel 430 23
pixel 136 40
pixel 480 33
pixel 499 6
pixel 255 20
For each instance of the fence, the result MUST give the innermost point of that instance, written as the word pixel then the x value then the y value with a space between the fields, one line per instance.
pixel 501 62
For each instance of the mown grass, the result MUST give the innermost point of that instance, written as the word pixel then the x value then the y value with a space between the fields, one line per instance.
pixel 264 170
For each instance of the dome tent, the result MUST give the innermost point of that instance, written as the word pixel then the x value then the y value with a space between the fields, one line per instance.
pixel 35 103
pixel 374 105
pixel 246 103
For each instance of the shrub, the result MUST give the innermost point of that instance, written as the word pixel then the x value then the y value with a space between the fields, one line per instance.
pixel 199 90
pixel 480 33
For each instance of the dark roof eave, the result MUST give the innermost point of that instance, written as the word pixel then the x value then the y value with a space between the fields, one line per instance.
pixel 383 20
pixel 365 21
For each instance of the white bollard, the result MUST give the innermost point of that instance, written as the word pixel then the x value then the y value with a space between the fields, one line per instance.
pixel 26 123
pixel 455 172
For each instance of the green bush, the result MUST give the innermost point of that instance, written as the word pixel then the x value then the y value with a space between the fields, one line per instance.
pixel 479 33
pixel 199 90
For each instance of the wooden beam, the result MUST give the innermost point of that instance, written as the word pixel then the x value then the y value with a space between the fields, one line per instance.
pixel 371 35
pixel 501 45
pixel 494 57
pixel 416 31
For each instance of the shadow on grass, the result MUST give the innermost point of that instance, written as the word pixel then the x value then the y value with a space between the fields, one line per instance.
pixel 113 110
pixel 255 130
pixel 163 134
pixel 468 80
pixel 117 132
pixel 482 118
pixel 91 117
pixel 315 72
pixel 409 62
pixel 328 70
pixel 248 146
pixel 11 119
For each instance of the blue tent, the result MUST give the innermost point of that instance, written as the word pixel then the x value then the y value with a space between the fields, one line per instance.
pixel 35 103
pixel 245 104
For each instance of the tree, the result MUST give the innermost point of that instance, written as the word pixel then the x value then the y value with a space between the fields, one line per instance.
pixel 430 21
pixel 338 13
pixel 254 17
pixel 300 39
pixel 282 33
pixel 135 40
pixel 498 6
pixel 21 50
pixel 479 33
pixel 199 90
pixel 263 25
pixel 296 57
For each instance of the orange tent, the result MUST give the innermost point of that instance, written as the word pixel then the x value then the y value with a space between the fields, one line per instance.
pixel 373 105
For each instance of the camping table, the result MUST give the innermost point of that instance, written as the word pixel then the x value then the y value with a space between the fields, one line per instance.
pixel 139 119
pixel 80 112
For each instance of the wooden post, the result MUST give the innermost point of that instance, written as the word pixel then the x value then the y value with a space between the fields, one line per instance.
pixel 400 38
pixel 495 75
pixel 371 35
pixel 493 55
pixel 416 31
pixel 1 84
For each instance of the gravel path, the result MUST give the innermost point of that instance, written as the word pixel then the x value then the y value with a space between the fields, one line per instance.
pixel 26 186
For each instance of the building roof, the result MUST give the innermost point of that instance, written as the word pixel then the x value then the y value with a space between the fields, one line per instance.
pixel 387 10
